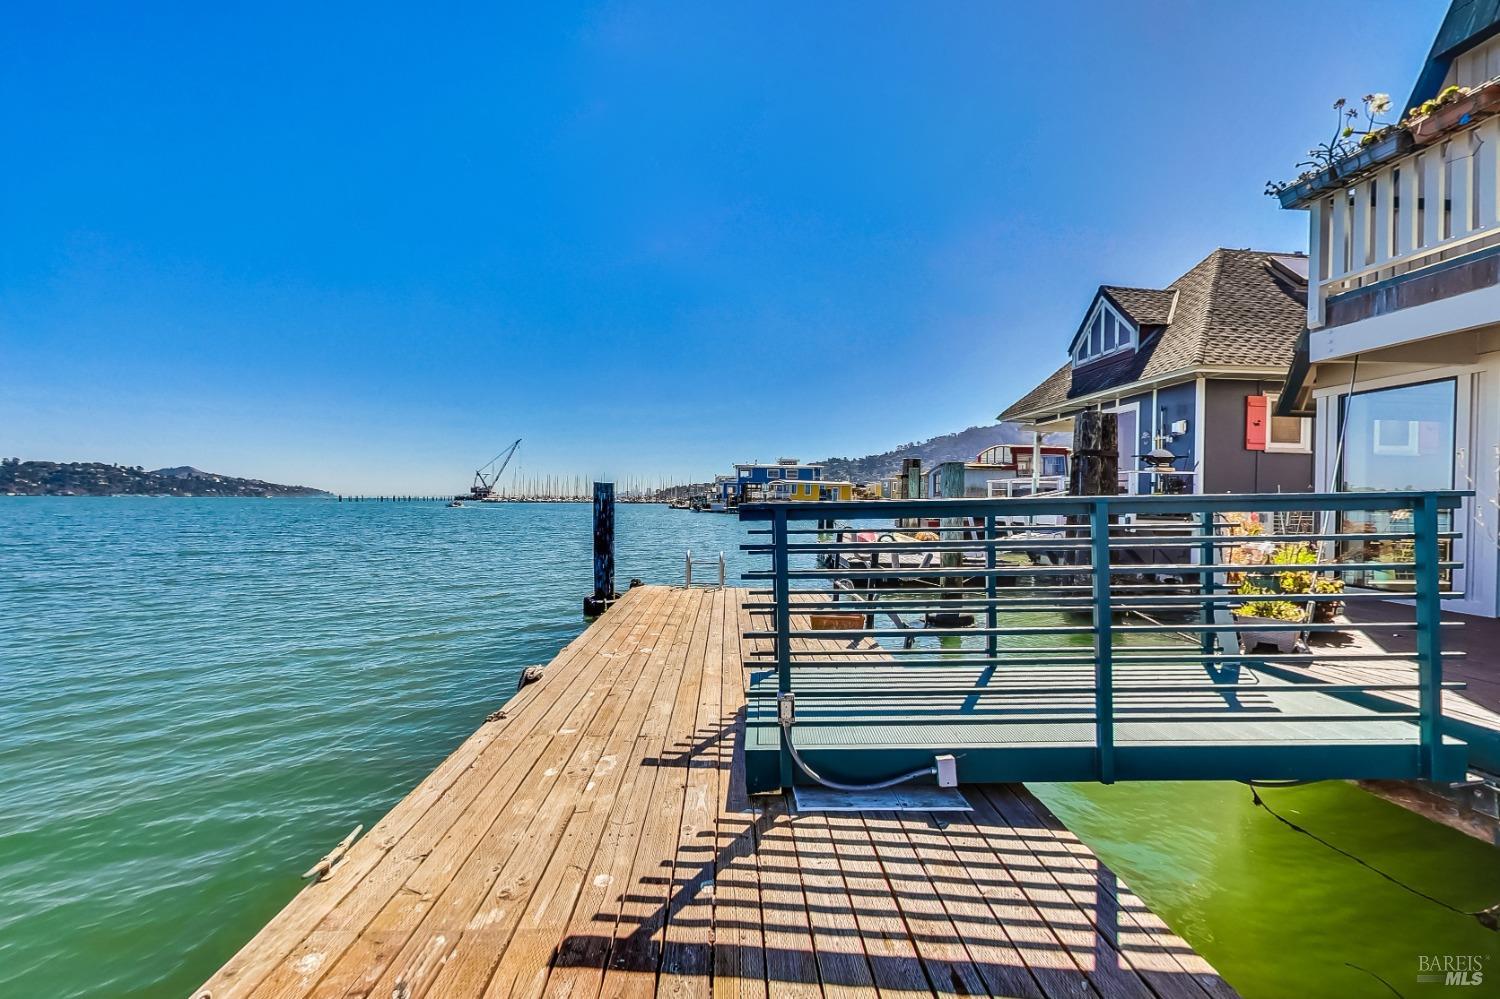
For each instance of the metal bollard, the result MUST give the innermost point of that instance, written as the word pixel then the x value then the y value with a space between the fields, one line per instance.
pixel 721 570
pixel 688 570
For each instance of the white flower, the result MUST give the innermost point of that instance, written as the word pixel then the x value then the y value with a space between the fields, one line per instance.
pixel 1378 104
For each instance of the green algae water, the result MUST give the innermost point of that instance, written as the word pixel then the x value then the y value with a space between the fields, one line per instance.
pixel 199 697
pixel 1280 914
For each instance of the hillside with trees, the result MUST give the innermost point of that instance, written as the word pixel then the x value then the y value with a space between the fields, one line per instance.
pixel 95 478
pixel 964 445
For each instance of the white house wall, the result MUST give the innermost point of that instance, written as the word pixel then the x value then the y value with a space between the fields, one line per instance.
pixel 1476 466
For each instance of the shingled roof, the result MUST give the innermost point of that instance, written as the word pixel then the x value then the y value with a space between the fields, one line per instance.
pixel 1235 309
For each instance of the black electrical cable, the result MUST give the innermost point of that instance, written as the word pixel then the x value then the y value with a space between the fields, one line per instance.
pixel 1382 981
pixel 1488 918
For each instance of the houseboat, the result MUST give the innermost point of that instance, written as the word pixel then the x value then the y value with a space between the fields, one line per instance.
pixel 1400 361
pixel 751 481
pixel 809 491
pixel 1191 372
pixel 1002 470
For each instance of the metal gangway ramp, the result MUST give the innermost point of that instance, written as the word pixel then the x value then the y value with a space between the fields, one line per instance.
pixel 1095 638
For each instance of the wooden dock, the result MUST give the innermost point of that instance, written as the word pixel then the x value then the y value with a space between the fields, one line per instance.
pixel 597 840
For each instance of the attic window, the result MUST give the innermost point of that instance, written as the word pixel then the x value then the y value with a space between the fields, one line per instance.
pixel 1106 332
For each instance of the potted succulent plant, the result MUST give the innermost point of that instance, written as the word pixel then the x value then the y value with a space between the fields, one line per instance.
pixel 1248 615
pixel 1453 107
pixel 1327 611
pixel 1280 581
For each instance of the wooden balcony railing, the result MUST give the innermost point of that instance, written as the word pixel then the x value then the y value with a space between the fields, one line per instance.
pixel 1434 204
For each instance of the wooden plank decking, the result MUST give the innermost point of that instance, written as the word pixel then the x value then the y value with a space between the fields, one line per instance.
pixel 597 840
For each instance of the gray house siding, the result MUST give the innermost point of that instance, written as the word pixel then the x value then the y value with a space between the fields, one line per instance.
pixel 1157 411
pixel 1230 466
pixel 1173 403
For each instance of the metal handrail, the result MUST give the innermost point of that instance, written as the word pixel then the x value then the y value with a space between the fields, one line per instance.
pixel 959 577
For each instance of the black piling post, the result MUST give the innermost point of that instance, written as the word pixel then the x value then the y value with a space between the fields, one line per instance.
pixel 604 551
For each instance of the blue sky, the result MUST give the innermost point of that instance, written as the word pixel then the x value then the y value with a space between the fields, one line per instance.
pixel 365 246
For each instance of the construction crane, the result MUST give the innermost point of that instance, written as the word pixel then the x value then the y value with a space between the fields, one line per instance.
pixel 486 481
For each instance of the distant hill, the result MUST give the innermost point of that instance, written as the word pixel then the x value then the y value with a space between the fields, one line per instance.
pixel 94 478
pixel 182 472
pixel 964 445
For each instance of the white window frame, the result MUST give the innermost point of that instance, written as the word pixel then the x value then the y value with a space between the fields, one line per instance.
pixel 1129 477
pixel 1304 443
pixel 1100 311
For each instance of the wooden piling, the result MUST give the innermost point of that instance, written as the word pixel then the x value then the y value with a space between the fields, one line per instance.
pixel 604 551
pixel 1095 469
pixel 911 475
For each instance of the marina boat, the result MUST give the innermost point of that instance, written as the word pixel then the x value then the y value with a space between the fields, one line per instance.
pixel 456 502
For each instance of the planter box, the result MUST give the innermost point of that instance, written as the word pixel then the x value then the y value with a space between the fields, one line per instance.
pixel 1295 194
pixel 1456 114
pixel 1397 142
pixel 1281 641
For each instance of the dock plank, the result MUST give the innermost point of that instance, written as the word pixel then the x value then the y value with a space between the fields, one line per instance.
pixel 411 939
pixel 524 965
pixel 598 840
pixel 579 957
pixel 739 941
pixel 291 955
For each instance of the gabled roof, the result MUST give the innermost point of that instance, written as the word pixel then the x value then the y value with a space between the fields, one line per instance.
pixel 1467 24
pixel 1237 309
pixel 1144 307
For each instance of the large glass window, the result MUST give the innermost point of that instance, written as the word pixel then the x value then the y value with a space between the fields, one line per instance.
pixel 1395 438
pixel 1399 438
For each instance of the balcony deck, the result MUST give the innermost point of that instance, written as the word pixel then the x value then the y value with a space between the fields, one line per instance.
pixel 1471 713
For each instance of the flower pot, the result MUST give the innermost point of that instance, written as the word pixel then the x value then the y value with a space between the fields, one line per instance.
pixel 1327 611
pixel 1281 641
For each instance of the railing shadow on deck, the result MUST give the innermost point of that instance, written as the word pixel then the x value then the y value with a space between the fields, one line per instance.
pixel 751 881
pixel 742 899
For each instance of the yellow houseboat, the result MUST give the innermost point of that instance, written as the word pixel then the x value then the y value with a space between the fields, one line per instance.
pixel 809 490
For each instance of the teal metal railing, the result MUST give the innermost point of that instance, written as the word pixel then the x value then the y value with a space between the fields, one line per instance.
pixel 1156 587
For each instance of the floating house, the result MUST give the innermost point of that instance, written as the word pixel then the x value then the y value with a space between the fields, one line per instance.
pixel 809 490
pixel 1400 362
pixel 1193 369
pixel 751 479
pixel 1002 470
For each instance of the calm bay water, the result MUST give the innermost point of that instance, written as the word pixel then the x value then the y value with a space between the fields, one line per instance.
pixel 199 697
